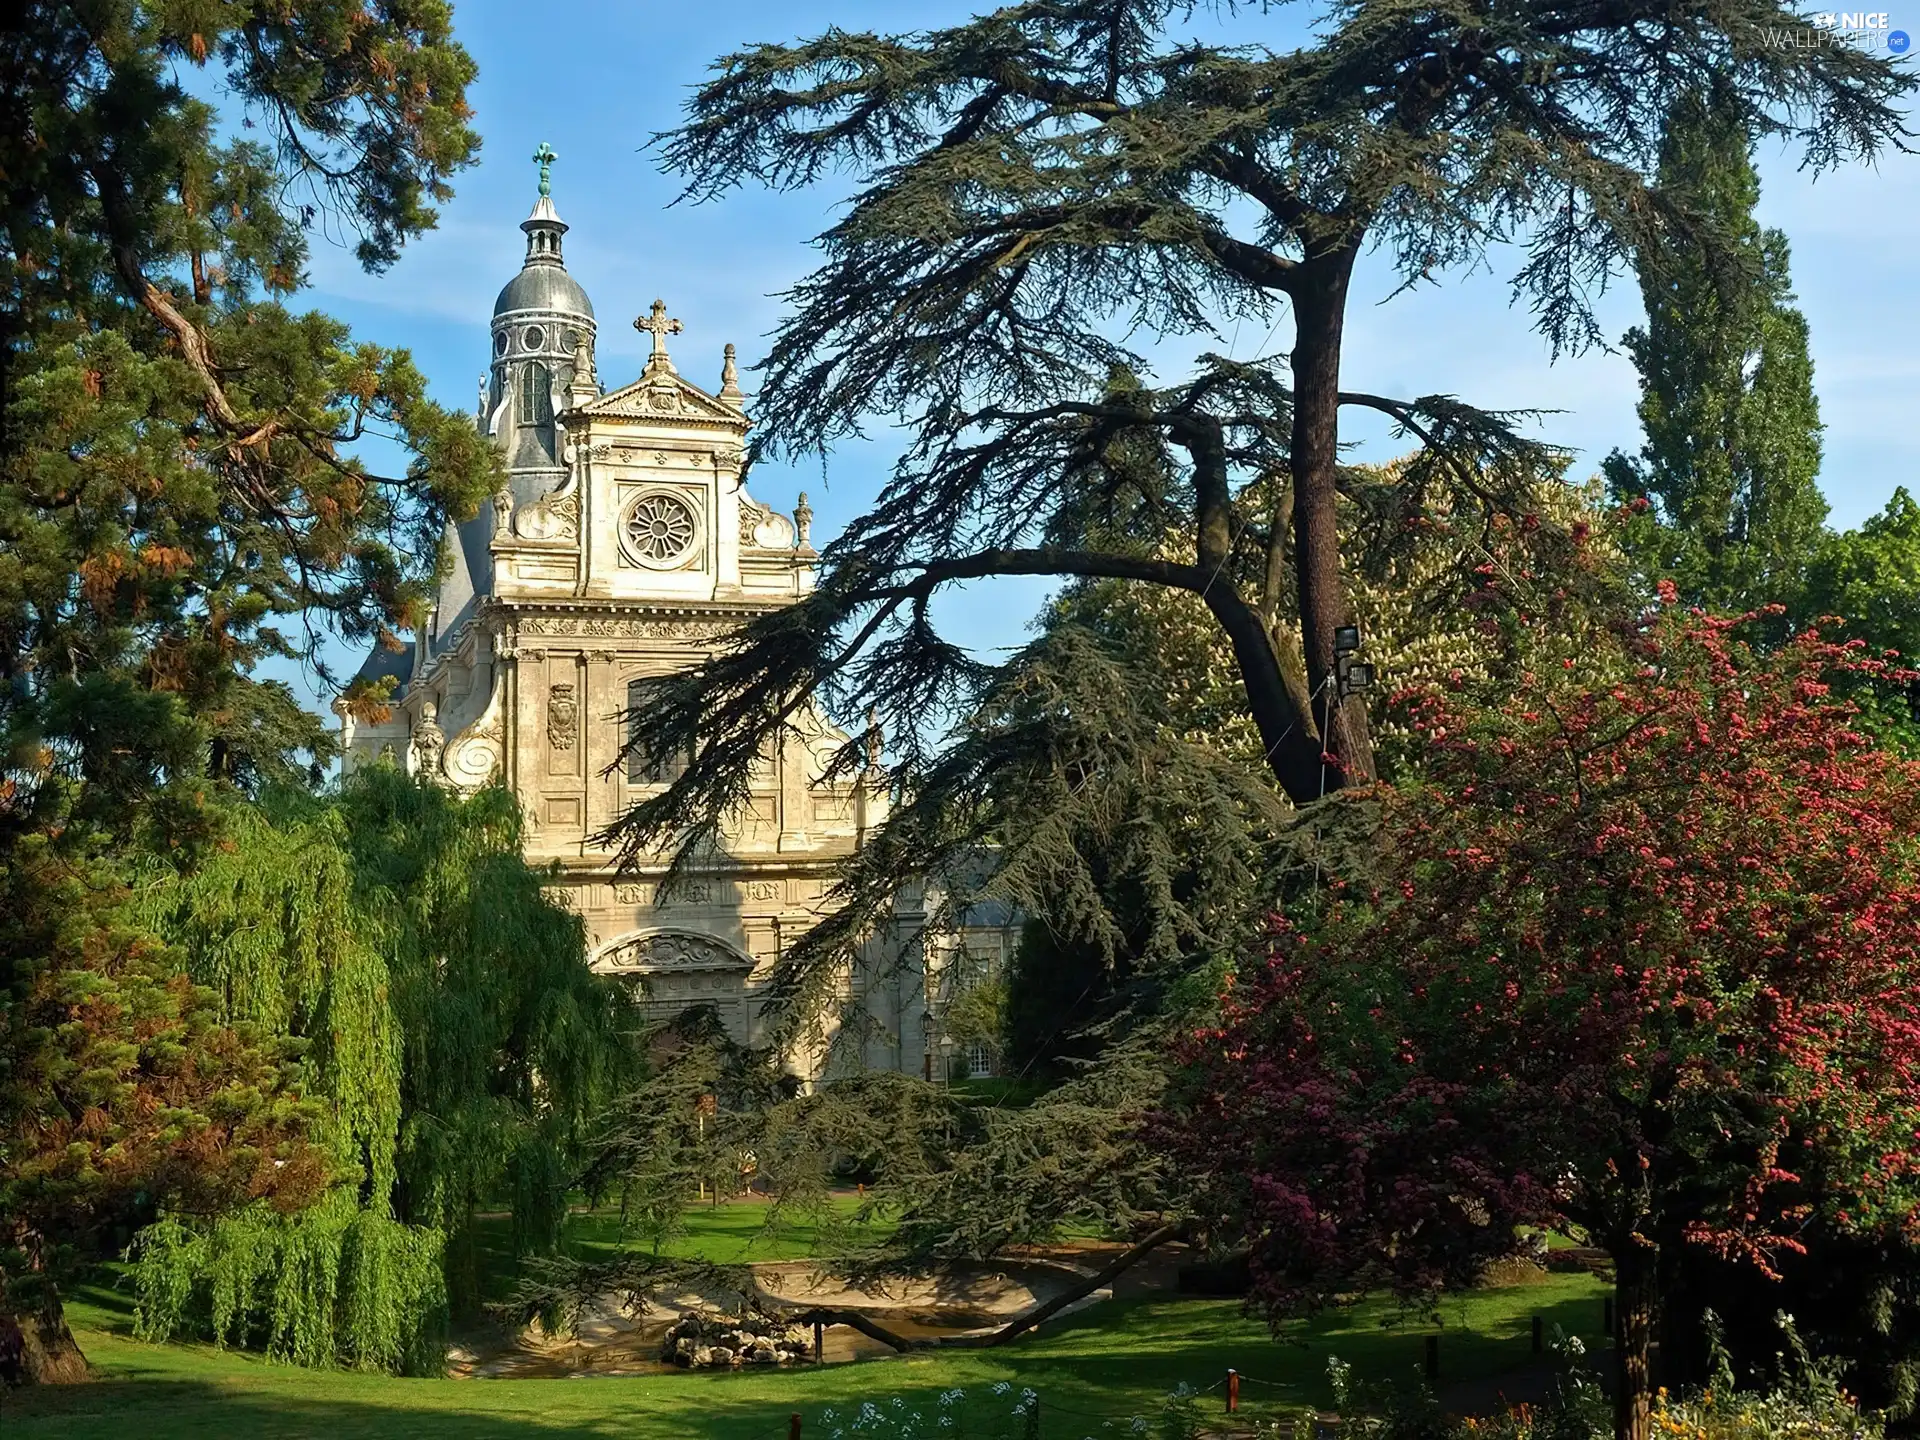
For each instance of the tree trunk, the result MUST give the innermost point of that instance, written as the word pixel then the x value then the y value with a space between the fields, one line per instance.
pixel 1015 1327
pixel 37 1348
pixel 1292 753
pixel 1020 1324
pixel 1635 1271
pixel 1319 305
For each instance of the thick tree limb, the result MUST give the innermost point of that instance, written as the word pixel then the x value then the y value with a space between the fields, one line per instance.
pixel 159 304
pixel 1014 1328
pixel 1120 1264
pixel 1287 732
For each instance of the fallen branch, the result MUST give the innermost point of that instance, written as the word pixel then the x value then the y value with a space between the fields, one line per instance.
pixel 857 1320
pixel 1020 1324
pixel 1015 1327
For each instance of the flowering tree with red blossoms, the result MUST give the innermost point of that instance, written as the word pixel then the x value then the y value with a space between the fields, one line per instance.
pixel 1642 957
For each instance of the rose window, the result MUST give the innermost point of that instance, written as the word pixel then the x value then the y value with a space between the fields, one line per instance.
pixel 658 529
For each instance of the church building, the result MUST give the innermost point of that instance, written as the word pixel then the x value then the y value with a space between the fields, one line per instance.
pixel 623 544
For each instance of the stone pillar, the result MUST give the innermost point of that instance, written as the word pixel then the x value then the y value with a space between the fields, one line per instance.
pixel 601 709
pixel 796 795
pixel 519 719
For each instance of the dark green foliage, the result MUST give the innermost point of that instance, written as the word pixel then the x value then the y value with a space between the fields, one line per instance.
pixel 947 1175
pixel 122 1085
pixel 1854 1297
pixel 1870 577
pixel 1074 774
pixel 179 493
pixel 1732 426
pixel 450 1025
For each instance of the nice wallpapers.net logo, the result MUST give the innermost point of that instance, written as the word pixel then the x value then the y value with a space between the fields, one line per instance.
pixel 1861 29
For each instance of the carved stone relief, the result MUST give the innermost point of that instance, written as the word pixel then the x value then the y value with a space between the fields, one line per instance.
pixel 644 893
pixel 568 627
pixel 554 516
pixel 672 952
pixel 428 742
pixel 478 752
pixel 563 717
pixel 762 527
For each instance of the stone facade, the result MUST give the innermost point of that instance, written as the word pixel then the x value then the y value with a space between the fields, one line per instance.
pixel 624 543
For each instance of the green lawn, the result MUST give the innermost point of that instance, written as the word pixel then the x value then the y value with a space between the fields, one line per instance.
pixel 735 1232
pixel 1115 1360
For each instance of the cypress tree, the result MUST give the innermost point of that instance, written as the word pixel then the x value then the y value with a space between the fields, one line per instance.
pixel 1732 425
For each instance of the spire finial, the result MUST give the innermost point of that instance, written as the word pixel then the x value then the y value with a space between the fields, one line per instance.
pixel 730 379
pixel 659 327
pixel 803 522
pixel 544 158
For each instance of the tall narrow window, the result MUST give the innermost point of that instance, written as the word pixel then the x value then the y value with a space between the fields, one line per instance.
pixel 536 394
pixel 644 767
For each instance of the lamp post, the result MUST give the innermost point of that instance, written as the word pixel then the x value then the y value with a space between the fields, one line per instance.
pixel 1350 675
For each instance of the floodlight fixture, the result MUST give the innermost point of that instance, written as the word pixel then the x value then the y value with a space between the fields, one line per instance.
pixel 1359 676
pixel 1346 639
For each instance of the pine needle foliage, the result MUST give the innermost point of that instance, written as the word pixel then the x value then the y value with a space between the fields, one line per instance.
pixel 453 1030
pixel 946 1177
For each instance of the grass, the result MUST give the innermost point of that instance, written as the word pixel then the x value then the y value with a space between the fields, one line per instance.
pixel 1115 1360
pixel 734 1232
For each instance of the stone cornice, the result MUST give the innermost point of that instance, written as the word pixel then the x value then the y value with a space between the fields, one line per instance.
pixel 781 865
pixel 499 612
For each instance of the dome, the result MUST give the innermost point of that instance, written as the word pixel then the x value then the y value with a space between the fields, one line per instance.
pixel 543 287
pixel 543 282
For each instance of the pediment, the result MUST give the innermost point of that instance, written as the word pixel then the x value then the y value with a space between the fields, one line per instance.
pixel 664 396
pixel 671 952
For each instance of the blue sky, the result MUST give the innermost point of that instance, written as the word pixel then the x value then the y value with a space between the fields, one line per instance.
pixel 596 79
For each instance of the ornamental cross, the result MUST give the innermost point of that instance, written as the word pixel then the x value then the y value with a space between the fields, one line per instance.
pixel 659 326
pixel 544 158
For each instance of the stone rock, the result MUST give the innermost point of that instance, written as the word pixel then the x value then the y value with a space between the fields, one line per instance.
pixel 707 1340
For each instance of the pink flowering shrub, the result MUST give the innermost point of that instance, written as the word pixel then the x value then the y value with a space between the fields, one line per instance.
pixel 1642 957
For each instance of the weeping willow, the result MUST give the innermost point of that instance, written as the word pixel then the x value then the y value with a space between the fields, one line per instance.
pixel 451 1029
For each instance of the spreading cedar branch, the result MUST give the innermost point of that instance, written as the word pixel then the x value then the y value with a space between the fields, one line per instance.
pixel 1068 732
pixel 1035 182
pixel 1642 958
pixel 946 1177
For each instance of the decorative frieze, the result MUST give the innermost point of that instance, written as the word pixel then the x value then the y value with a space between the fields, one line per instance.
pixel 568 627
pixel 645 893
